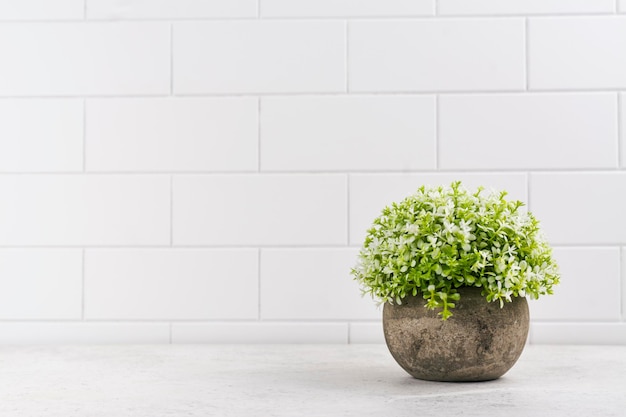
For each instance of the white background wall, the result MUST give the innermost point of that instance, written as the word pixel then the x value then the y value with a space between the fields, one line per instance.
pixel 203 171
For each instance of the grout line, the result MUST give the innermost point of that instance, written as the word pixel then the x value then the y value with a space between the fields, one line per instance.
pixel 620 158
pixel 270 173
pixel 436 7
pixel 82 301
pixel 348 207
pixel 258 136
pixel 622 284
pixel 171 210
pixel 437 129
pixel 528 190
pixel 435 172
pixel 323 321
pixel 347 56
pixel 616 5
pixel 365 93
pixel 258 9
pixel 85 9
pixel 258 314
pixel 401 18
pixel 587 245
pixel 84 135
pixel 242 247
pixel 349 339
pixel 287 246
pixel 526 54
pixel 170 332
pixel 188 320
pixel 171 59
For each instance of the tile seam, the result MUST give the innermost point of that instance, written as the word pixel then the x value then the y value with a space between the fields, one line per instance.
pixel 620 127
pixel 526 54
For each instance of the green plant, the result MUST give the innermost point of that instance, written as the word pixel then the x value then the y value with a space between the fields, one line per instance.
pixel 443 238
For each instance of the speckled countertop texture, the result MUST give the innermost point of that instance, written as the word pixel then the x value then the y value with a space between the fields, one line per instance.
pixel 297 380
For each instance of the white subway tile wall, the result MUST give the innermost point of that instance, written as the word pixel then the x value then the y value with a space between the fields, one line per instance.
pixel 171 134
pixel 332 296
pixel 178 171
pixel 436 55
pixel 563 56
pixel 84 332
pixel 42 10
pixel 599 333
pixel 506 131
pixel 362 133
pixel 521 7
pixel 347 8
pixel 84 210
pixel 54 127
pixel 260 332
pixel 580 208
pixel 259 210
pixel 170 9
pixel 176 284
pixel 366 333
pixel 579 265
pixel 259 56
pixel 85 59
pixel 43 284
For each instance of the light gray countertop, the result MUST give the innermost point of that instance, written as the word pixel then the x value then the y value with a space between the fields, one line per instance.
pixel 297 380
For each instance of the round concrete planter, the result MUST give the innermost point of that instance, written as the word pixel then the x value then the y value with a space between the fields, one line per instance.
pixel 480 342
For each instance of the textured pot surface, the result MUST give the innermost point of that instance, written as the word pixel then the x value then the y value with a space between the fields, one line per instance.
pixel 480 342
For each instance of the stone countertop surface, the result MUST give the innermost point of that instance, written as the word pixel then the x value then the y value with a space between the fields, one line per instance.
pixel 297 380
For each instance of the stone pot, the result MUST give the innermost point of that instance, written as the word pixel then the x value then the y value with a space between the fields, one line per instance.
pixel 480 342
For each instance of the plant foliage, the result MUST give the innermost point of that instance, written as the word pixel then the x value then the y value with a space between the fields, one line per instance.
pixel 443 238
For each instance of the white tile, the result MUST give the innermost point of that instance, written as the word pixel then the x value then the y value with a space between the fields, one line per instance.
pixel 582 270
pixel 348 133
pixel 171 284
pixel 169 9
pixel 578 333
pixel 580 52
pixel 260 210
pixel 84 210
pixel 580 208
pixel 42 59
pixel 346 8
pixel 41 9
pixel 254 56
pixel 260 332
pixel 83 333
pixel 436 55
pixel 40 284
pixel 41 135
pixel 499 7
pixel 622 5
pixel 528 131
pixel 312 284
pixel 172 134
pixel 370 193
pixel 367 333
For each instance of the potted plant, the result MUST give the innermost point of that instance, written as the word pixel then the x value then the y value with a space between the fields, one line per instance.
pixel 453 270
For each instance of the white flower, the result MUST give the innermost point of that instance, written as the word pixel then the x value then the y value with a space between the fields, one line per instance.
pixel 412 228
pixel 449 227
